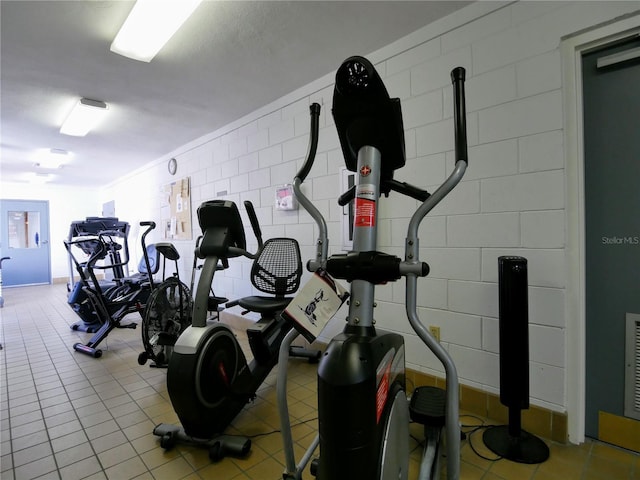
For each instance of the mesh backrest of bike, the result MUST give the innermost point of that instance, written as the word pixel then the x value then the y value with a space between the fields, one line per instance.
pixel 278 267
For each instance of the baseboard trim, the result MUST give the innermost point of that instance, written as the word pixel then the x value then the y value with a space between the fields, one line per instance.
pixel 621 431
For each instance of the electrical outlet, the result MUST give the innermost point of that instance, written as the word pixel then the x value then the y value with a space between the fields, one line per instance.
pixel 435 331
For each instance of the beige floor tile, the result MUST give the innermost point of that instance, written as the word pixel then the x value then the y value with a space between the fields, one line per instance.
pixel 66 415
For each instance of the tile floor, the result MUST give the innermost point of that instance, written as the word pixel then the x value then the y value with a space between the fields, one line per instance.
pixel 68 416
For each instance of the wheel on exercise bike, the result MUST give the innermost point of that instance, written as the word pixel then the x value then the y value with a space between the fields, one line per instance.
pixel 168 313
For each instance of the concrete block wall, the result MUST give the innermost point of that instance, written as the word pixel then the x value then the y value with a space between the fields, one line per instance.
pixel 511 202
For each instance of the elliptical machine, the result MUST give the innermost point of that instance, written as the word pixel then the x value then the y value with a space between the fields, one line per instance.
pixel 208 379
pixel 108 305
pixel 83 236
pixel 363 412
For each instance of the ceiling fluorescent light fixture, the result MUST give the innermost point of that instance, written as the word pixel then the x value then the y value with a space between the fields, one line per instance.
pixel 53 158
pixel 40 178
pixel 149 27
pixel 84 116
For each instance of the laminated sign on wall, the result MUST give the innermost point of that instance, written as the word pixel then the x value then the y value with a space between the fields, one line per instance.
pixel 176 210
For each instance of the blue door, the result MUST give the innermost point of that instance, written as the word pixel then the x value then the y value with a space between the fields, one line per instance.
pixel 25 239
pixel 612 218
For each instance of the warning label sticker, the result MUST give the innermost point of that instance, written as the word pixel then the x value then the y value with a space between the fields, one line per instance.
pixel 366 190
pixel 365 215
pixel 383 392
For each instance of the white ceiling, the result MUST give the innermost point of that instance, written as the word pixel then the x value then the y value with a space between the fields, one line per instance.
pixel 229 59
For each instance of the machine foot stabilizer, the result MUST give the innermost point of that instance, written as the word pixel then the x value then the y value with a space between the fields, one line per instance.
pixel 219 446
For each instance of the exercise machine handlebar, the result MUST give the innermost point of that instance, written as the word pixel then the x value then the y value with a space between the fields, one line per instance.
pixel 314 109
pixel 322 245
pixel 452 428
pixel 100 249
pixel 459 114
pixel 255 225
pixel 151 225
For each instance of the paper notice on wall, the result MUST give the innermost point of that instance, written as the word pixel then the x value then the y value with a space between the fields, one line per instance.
pixel 315 305
pixel 176 213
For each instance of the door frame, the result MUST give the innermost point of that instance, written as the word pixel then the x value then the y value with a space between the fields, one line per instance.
pixel 575 302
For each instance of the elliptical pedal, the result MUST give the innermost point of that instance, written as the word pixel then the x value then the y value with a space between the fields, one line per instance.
pixel 428 406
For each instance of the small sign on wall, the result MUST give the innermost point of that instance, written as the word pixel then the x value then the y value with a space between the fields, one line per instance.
pixel 109 209
pixel 285 198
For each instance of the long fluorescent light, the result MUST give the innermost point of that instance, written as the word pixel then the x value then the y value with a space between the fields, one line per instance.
pixel 150 25
pixel 84 116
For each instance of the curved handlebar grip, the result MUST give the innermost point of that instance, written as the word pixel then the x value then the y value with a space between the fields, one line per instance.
pixel 253 218
pixel 347 196
pixel 145 253
pixel 407 189
pixel 314 111
pixel 459 113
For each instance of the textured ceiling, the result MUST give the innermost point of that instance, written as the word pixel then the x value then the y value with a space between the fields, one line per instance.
pixel 229 59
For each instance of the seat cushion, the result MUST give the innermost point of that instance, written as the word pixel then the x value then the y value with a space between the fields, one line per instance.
pixel 262 304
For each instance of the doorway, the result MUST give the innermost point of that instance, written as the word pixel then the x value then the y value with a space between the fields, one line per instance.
pixel 611 108
pixel 25 239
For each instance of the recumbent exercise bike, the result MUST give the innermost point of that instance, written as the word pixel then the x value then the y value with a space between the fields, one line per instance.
pixel 208 379
pixel 363 411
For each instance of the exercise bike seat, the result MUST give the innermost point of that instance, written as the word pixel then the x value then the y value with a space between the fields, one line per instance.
pixel 167 250
pixel 277 270
pixel 264 305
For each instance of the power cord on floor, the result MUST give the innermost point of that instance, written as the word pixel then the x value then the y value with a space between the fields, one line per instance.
pixel 467 435
pixel 265 434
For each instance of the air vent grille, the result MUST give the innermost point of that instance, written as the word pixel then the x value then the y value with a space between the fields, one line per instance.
pixel 632 370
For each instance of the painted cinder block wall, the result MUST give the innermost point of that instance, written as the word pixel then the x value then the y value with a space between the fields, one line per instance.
pixel 511 202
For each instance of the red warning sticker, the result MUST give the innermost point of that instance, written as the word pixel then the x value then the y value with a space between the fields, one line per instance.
pixel 383 392
pixel 365 213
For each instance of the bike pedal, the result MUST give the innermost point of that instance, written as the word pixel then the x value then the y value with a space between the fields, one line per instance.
pixel 428 406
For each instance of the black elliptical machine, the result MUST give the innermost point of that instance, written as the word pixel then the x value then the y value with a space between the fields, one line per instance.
pixel 83 236
pixel 108 306
pixel 363 411
pixel 82 241
pixel 103 305
pixel 208 379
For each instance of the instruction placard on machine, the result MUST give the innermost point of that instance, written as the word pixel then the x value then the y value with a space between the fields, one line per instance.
pixel 315 304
